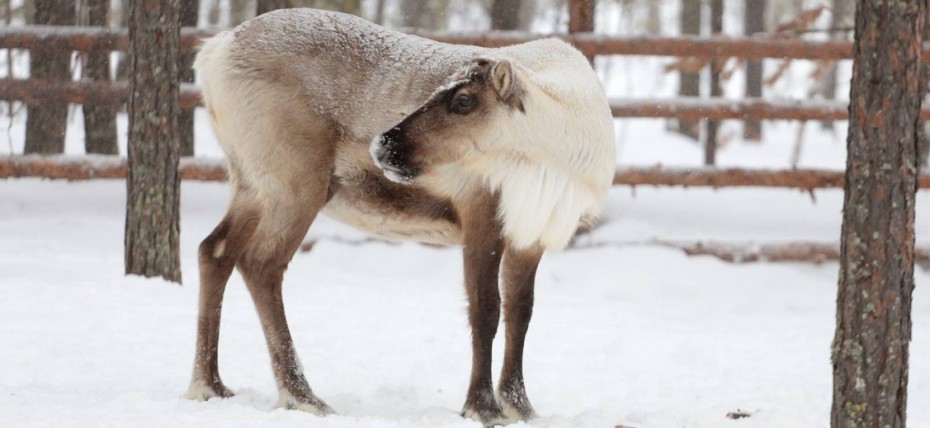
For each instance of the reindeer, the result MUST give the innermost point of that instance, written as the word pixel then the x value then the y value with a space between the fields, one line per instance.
pixel 503 151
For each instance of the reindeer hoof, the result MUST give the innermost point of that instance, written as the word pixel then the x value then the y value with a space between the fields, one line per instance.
pixel 203 391
pixel 516 406
pixel 519 412
pixel 306 403
pixel 487 411
pixel 488 418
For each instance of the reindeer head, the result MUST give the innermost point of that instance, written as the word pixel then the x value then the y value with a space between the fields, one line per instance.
pixel 460 119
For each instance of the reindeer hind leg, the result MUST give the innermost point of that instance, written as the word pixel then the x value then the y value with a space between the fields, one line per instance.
pixel 218 255
pixel 262 267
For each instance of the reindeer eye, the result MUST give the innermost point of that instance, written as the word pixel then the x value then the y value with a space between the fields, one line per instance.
pixel 463 103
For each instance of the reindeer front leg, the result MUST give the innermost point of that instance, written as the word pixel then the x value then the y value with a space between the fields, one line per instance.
pixel 482 253
pixel 519 272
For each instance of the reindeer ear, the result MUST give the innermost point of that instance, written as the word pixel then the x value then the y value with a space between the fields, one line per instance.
pixel 502 78
pixel 505 83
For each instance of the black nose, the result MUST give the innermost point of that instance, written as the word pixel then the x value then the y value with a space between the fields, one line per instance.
pixel 394 156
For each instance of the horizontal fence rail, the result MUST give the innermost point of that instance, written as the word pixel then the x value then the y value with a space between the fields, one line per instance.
pixel 90 38
pixel 694 108
pixel 751 252
pixel 88 167
pixel 803 179
pixel 34 91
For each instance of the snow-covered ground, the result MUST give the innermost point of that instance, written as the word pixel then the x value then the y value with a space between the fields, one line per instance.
pixel 640 336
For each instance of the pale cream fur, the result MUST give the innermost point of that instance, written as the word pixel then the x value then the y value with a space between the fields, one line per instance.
pixel 554 164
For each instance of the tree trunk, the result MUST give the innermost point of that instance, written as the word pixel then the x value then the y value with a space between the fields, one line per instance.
pixel 213 13
pixel 379 12
pixel 716 28
pixel 265 6
pixel 152 180
pixel 654 18
pixel 923 152
pixel 46 123
pixel 122 60
pixel 353 7
pixel 505 14
pixel 240 11
pixel 425 14
pixel 190 10
pixel 755 23
pixel 99 121
pixel 876 280
pixel 528 9
pixel 690 83
pixel 581 18
pixel 839 18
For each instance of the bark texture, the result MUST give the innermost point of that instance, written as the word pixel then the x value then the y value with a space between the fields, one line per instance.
pixel 240 11
pixel 841 16
pixel 581 18
pixel 46 123
pixel 690 83
pixel 353 7
pixel 716 28
pixel 152 179
pixel 424 14
pixel 265 6
pixel 190 10
pixel 755 23
pixel 505 14
pixel 870 349
pixel 99 120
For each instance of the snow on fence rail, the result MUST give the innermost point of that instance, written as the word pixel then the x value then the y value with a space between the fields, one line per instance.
pixel 88 167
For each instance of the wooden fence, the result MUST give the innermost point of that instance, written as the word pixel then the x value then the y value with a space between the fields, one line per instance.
pixel 84 39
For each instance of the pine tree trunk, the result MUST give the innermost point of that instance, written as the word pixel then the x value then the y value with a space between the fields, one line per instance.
pixel 505 14
pixel 923 152
pixel 581 18
pixel 190 10
pixel 716 28
pixel 213 13
pixel 46 123
pixel 240 11
pixel 425 14
pixel 265 6
pixel 755 23
pixel 379 12
pixel 870 349
pixel 411 12
pixel 840 13
pixel 152 180
pixel 690 83
pixel 99 121
pixel 122 60
pixel 353 7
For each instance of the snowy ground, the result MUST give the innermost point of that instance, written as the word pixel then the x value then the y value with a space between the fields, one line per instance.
pixel 639 336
